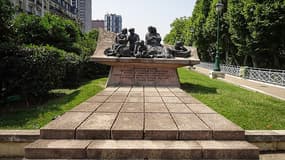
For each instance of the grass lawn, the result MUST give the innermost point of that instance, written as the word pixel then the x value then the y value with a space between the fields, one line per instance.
pixel 37 116
pixel 248 109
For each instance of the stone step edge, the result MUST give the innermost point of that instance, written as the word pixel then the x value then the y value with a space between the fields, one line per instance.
pixel 250 135
pixel 141 134
pixel 122 149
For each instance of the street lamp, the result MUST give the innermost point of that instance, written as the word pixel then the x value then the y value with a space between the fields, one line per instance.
pixel 219 9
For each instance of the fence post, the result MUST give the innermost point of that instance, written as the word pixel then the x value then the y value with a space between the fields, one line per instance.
pixel 242 71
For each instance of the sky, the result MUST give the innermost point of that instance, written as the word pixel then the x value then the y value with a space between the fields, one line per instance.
pixel 141 14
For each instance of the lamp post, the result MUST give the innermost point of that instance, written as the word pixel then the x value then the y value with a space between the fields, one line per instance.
pixel 219 8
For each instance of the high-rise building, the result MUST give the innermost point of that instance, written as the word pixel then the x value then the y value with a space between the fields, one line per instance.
pixel 41 7
pixel 113 23
pixel 84 13
pixel 96 24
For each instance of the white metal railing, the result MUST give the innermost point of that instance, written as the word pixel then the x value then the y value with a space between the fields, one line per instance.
pixel 272 76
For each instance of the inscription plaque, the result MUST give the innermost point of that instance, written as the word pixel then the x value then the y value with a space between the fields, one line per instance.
pixel 153 76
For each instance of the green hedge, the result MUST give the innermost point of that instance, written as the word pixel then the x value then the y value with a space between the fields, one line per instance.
pixel 30 71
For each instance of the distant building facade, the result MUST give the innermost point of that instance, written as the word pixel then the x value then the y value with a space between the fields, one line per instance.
pixel 41 7
pixel 84 9
pixel 96 24
pixel 78 10
pixel 113 23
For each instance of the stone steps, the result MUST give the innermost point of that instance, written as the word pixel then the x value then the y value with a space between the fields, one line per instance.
pixel 140 149
pixel 141 123
pixel 152 126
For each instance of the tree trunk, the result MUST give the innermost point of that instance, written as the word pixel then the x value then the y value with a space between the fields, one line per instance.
pixel 276 61
pixel 245 60
pixel 254 61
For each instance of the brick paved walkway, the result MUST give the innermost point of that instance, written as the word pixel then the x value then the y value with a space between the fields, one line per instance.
pixel 142 113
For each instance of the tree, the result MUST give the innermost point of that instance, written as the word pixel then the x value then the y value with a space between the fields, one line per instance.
pixel 252 32
pixel 6 13
pixel 178 31
pixel 48 30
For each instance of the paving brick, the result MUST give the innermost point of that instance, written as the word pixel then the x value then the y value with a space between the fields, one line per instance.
pixel 223 129
pixel 110 107
pixel 124 89
pixel 64 126
pixel 171 100
pixel 133 107
pixel 97 99
pixel 189 100
pixel 116 99
pixel 137 89
pixel 181 94
pixel 151 94
pixel 160 126
pixel 105 93
pixel 162 89
pixel 176 90
pixel 150 89
pixel 191 127
pixel 120 94
pixel 136 94
pixel 57 149
pixel 155 107
pixel 134 99
pixel 153 100
pixel 144 149
pixel 178 108
pixel 111 89
pixel 97 126
pixel 166 94
pixel 200 108
pixel 86 107
pixel 128 126
pixel 229 150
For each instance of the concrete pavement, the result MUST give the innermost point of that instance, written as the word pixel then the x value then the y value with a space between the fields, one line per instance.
pixel 268 89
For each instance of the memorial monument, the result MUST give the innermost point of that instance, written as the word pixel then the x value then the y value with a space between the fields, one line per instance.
pixel 142 63
pixel 149 122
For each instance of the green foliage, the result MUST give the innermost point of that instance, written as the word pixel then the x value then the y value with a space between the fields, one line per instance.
pixel 30 71
pixel 6 12
pixel 48 30
pixel 37 116
pixel 252 32
pixel 55 54
pixel 178 31
pixel 87 44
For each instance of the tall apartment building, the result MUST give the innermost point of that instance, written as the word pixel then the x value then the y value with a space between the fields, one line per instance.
pixel 113 23
pixel 84 13
pixel 41 7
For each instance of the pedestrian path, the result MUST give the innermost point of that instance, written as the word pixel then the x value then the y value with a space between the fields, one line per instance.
pixel 268 89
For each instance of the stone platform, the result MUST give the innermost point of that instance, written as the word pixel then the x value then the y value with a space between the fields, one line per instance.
pixel 138 123
pixel 142 113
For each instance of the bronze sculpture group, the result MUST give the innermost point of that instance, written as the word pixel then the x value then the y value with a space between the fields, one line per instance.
pixel 131 46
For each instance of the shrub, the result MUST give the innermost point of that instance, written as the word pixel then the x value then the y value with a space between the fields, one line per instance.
pixel 48 30
pixel 6 12
pixel 30 71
